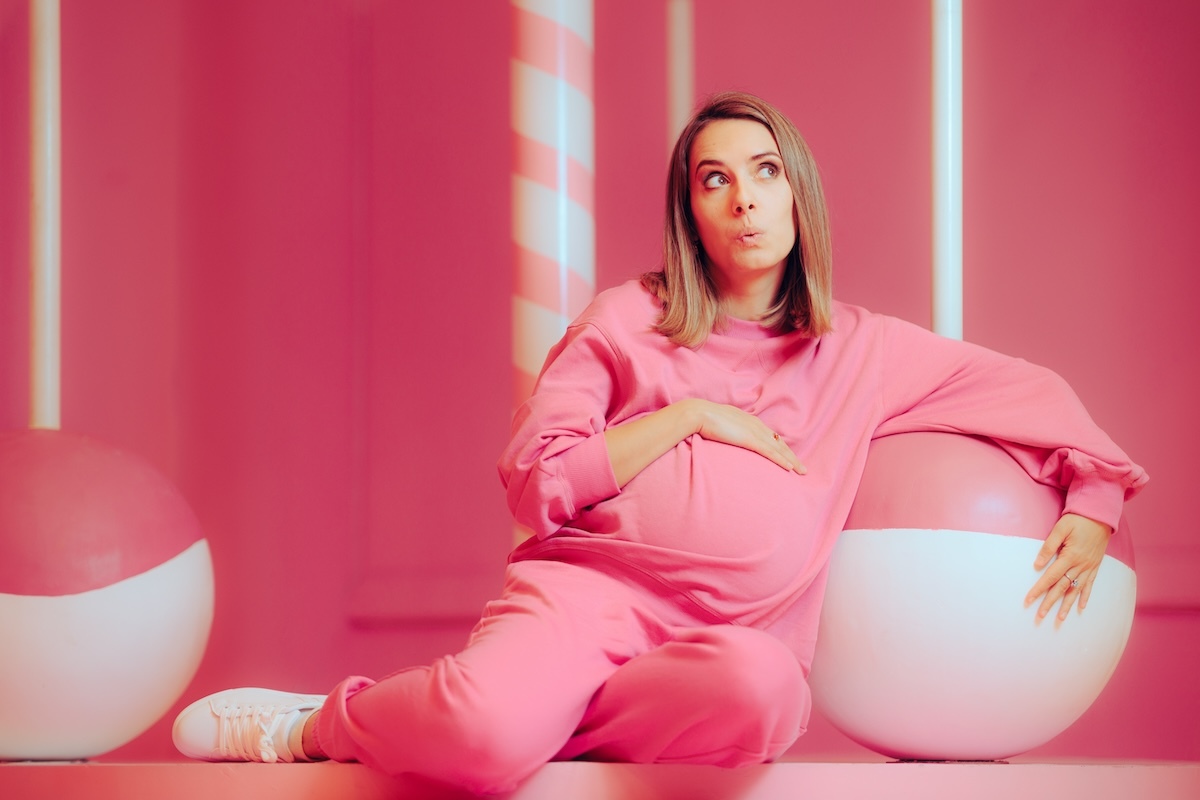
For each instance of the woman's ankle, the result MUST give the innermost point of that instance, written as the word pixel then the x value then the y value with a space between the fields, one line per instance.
pixel 308 738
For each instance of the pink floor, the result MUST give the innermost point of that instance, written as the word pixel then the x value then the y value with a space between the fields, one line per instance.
pixel 811 780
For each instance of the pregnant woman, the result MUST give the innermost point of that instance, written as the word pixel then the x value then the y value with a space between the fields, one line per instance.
pixel 686 462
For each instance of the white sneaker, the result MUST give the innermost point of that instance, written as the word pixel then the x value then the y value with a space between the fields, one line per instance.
pixel 245 725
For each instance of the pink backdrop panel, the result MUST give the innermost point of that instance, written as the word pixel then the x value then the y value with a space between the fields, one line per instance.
pixel 438 269
pixel 121 242
pixel 1082 183
pixel 631 138
pixel 855 79
pixel 14 214
pixel 264 288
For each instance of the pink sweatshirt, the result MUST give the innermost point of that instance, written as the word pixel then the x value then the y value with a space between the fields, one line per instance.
pixel 741 537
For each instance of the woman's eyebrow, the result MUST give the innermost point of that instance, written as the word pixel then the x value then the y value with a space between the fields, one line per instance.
pixel 713 162
pixel 708 162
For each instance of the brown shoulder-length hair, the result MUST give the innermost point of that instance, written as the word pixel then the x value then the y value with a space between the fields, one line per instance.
pixel 691 306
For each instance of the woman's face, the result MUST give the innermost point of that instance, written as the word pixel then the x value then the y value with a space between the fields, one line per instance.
pixel 741 200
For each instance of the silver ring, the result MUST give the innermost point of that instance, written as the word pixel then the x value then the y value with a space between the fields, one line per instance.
pixel 1074 582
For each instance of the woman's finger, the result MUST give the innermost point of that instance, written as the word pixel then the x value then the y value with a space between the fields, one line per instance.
pixel 793 462
pixel 779 452
pixel 1056 592
pixel 1070 595
pixel 1085 591
pixel 1054 542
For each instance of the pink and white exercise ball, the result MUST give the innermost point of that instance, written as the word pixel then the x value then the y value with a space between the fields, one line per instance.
pixel 926 650
pixel 106 596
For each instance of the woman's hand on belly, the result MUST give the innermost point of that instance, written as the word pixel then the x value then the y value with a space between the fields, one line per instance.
pixel 731 425
pixel 636 444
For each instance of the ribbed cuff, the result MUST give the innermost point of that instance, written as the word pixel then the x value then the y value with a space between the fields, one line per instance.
pixel 587 474
pixel 1095 499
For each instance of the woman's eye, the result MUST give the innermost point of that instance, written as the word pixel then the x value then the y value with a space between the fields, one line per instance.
pixel 714 180
pixel 768 170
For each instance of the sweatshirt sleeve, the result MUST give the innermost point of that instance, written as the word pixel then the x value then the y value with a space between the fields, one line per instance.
pixel 557 461
pixel 933 383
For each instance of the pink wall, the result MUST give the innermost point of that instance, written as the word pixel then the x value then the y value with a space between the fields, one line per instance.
pixel 14 214
pixel 1080 240
pixel 287 270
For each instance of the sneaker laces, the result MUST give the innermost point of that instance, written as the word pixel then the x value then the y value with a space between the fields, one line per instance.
pixel 247 733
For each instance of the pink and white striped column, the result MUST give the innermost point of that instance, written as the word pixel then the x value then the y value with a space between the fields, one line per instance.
pixel 553 177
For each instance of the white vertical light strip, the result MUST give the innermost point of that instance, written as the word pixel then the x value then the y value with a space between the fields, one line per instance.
pixel 947 169
pixel 45 215
pixel 681 62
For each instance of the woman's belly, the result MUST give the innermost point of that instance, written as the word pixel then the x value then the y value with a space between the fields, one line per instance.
pixel 720 522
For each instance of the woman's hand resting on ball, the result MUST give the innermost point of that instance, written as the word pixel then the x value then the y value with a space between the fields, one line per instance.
pixel 1070 557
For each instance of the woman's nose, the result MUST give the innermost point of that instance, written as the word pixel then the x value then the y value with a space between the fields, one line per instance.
pixel 743 200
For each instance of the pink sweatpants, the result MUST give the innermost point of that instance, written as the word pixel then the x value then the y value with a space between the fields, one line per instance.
pixel 571 663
